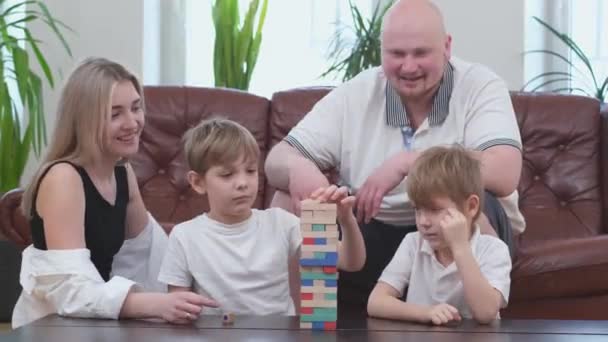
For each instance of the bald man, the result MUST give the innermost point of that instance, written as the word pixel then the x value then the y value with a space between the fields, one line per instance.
pixel 372 128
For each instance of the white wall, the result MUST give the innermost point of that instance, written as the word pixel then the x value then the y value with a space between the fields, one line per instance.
pixel 110 28
pixel 488 32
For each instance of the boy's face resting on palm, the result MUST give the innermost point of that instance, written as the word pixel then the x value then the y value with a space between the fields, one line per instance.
pixel 443 224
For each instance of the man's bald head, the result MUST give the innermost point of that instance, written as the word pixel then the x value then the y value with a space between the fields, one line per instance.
pixel 414 15
pixel 415 49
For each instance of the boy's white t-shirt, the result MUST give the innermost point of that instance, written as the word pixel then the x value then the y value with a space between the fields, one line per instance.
pixel 428 282
pixel 244 267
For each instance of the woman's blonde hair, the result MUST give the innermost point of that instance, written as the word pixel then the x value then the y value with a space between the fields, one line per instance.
pixel 82 115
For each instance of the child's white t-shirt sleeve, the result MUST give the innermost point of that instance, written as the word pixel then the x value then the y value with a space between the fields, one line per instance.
pixel 290 224
pixel 174 268
pixel 495 265
pixel 397 273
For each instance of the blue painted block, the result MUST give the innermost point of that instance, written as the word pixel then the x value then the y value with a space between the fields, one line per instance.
pixel 307 282
pixel 320 241
pixel 331 257
pixel 331 283
pixel 314 262
pixel 318 325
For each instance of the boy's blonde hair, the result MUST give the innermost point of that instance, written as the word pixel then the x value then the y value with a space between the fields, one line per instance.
pixel 218 142
pixel 445 171
pixel 83 112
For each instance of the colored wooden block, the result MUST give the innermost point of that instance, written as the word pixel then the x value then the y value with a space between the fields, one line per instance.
pixel 306 214
pixel 328 296
pixel 306 296
pixel 328 269
pixel 318 220
pixel 309 204
pixel 329 326
pixel 228 319
pixel 320 248
pixel 306 282
pixel 332 241
pixel 331 227
pixel 305 227
pixel 320 234
pixel 320 241
pixel 308 241
pixel 315 262
pixel 306 311
pixel 331 283
pixel 318 283
pixel 305 325
pixel 325 311
pixel 319 318
pixel 320 303
pixel 320 289
pixel 318 325
pixel 318 255
pixel 318 275
pixel 308 255
pixel 318 227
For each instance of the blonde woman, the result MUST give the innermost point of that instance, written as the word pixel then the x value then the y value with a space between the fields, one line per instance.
pixel 84 207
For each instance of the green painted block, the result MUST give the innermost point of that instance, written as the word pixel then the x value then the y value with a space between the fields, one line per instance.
pixel 319 255
pixel 318 227
pixel 331 296
pixel 318 276
pixel 325 311
pixel 319 318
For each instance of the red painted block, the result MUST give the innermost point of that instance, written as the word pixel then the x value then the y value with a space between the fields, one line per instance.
pixel 306 311
pixel 329 269
pixel 308 241
pixel 306 296
pixel 329 326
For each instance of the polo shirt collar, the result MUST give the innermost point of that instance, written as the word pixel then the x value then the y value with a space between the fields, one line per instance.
pixel 396 114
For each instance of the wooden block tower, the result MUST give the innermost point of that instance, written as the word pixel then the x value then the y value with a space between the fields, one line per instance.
pixel 318 266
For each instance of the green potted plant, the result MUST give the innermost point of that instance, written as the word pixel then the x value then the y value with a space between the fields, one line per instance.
pixel 350 58
pixel 19 135
pixel 236 48
pixel 561 81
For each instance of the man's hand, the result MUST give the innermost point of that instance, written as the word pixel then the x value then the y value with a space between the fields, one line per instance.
pixel 455 229
pixel 304 178
pixel 333 194
pixel 442 314
pixel 380 182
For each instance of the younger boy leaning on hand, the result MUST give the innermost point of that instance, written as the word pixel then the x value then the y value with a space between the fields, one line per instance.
pixel 449 269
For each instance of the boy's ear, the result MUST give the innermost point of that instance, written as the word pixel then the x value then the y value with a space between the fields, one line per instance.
pixel 472 205
pixel 197 182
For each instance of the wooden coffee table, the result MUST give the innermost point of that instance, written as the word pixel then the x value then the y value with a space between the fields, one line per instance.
pixel 280 328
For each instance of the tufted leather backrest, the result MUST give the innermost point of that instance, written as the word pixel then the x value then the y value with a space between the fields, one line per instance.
pixel 565 150
pixel 560 194
pixel 160 164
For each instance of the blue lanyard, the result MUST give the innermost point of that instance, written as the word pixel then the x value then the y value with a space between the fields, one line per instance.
pixel 408 137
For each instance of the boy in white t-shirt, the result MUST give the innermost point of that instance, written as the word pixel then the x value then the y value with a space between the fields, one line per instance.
pixel 450 270
pixel 245 260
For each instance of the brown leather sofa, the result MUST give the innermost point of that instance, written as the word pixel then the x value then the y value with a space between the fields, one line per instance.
pixel 561 266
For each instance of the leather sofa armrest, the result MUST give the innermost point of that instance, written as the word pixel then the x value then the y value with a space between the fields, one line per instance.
pixel 13 224
pixel 572 267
